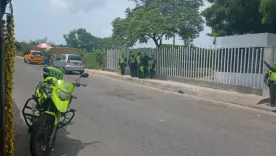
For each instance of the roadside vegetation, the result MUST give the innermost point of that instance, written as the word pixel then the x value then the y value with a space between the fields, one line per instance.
pixel 166 19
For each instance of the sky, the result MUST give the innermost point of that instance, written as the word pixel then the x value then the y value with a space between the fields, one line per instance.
pixel 37 19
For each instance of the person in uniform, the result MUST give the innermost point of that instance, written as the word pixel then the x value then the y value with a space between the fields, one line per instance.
pixel 151 67
pixel 270 80
pixel 122 64
pixel 145 64
pixel 53 58
pixel 132 64
pixel 138 65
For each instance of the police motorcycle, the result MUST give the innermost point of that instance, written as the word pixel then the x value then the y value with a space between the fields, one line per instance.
pixel 48 110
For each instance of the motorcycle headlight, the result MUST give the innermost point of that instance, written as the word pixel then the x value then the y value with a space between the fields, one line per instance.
pixel 63 96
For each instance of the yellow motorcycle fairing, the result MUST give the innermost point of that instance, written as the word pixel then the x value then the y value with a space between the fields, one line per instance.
pixel 61 89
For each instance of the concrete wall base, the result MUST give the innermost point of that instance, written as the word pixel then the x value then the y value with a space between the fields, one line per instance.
pixel 188 89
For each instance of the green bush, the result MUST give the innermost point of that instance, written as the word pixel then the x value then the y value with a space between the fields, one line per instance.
pixel 81 53
pixel 19 53
pixel 100 57
pixel 95 60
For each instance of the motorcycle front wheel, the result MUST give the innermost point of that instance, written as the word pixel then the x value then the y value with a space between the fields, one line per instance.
pixel 40 136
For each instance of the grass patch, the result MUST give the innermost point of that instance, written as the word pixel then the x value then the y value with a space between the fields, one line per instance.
pixel 19 53
pixel 94 61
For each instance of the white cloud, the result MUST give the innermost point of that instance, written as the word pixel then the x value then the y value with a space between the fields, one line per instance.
pixel 78 6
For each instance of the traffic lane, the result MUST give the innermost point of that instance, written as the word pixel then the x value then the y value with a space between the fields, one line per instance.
pixel 162 123
pixel 121 119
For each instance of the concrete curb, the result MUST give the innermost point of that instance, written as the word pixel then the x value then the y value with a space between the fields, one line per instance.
pixel 206 93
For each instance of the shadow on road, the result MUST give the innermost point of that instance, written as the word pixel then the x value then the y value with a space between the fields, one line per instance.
pixel 64 145
pixel 67 146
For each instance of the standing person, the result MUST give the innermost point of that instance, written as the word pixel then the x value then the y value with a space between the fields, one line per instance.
pixel 53 58
pixel 270 80
pixel 151 67
pixel 132 64
pixel 122 64
pixel 145 63
pixel 138 65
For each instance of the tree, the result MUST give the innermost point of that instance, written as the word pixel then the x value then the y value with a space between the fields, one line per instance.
pixel 110 43
pixel 82 39
pixel 267 9
pixel 43 40
pixel 121 32
pixel 158 19
pixel 234 17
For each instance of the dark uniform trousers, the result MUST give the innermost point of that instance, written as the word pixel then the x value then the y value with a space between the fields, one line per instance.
pixel 272 92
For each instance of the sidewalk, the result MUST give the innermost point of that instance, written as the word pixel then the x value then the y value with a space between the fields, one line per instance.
pixel 232 97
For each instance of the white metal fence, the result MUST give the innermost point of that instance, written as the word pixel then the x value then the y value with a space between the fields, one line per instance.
pixel 236 66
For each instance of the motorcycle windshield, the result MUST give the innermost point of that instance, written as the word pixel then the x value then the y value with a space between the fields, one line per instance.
pixel 65 87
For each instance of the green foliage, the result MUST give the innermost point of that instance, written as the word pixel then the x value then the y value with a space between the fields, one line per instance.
pixel 19 53
pixel 81 39
pixel 233 17
pixel 95 60
pixel 81 53
pixel 267 9
pixel 156 19
pixel 24 46
pixel 121 33
pixel 173 46
pixel 100 57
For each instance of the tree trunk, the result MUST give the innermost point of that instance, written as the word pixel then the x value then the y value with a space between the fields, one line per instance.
pixel 174 39
pixel 155 41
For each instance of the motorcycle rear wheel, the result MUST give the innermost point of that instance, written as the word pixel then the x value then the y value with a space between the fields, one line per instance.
pixel 40 135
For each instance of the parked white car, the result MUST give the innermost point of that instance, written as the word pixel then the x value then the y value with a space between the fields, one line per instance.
pixel 69 63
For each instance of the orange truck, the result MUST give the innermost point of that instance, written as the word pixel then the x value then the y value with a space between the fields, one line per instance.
pixel 34 57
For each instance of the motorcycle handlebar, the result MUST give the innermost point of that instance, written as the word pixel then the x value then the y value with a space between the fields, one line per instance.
pixel 78 84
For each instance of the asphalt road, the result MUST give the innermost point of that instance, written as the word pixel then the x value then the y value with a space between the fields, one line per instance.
pixel 118 119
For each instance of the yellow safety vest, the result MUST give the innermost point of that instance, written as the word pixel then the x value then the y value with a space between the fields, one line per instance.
pixel 272 75
pixel 122 59
pixel 138 59
pixel 142 69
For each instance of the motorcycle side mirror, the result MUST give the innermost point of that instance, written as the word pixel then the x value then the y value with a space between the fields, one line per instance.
pixel 84 75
